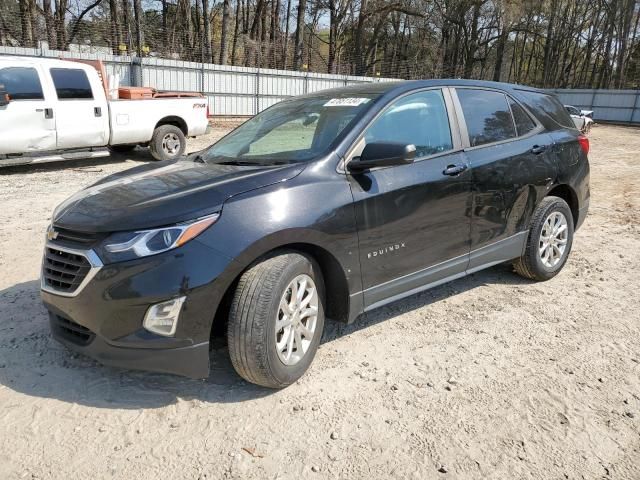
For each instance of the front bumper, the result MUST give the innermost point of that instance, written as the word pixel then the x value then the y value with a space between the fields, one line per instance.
pixel 104 319
pixel 191 361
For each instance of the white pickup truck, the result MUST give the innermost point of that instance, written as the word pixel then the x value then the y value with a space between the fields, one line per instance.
pixel 59 110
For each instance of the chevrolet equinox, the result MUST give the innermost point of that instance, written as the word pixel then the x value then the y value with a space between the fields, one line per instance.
pixel 329 204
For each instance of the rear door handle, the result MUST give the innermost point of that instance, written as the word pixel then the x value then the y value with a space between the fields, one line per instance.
pixel 453 170
pixel 538 149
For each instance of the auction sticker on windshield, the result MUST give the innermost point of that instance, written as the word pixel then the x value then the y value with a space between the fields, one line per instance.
pixel 346 102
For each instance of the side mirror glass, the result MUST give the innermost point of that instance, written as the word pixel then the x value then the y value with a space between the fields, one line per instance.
pixel 382 155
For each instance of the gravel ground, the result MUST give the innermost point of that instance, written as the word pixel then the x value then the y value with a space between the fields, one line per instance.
pixel 490 376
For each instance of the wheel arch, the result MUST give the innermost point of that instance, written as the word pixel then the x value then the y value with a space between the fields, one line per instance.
pixel 175 121
pixel 568 194
pixel 334 277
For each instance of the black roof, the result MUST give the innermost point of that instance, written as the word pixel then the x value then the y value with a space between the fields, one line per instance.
pixel 407 85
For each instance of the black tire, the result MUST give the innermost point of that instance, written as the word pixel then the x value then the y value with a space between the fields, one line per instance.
pixel 121 149
pixel 160 147
pixel 530 264
pixel 252 319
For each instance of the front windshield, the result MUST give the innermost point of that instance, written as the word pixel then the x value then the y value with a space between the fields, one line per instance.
pixel 296 130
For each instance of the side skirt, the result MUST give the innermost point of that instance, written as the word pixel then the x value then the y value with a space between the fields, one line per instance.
pixel 458 267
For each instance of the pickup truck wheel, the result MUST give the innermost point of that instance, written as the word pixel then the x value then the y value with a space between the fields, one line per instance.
pixel 168 142
pixel 276 320
pixel 549 241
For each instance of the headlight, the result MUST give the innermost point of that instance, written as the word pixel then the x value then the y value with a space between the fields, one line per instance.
pixel 124 246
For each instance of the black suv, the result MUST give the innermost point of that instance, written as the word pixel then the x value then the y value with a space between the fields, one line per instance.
pixel 333 203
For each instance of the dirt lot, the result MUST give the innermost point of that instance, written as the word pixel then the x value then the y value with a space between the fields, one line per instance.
pixel 486 377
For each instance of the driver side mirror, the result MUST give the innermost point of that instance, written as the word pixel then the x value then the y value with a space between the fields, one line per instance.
pixel 4 97
pixel 382 155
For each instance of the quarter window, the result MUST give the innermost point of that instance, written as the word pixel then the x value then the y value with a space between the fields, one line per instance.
pixel 551 106
pixel 71 84
pixel 524 124
pixel 418 119
pixel 21 83
pixel 487 116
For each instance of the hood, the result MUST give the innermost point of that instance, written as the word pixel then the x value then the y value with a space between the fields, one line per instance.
pixel 162 194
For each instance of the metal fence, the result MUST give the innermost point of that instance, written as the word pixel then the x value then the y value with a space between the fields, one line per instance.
pixel 231 90
pixel 246 91
pixel 619 106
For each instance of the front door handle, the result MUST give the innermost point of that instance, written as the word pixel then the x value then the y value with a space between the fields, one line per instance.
pixel 538 149
pixel 48 113
pixel 453 170
pixel 97 111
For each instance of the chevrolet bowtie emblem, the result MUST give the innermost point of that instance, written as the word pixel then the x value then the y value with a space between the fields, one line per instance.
pixel 52 235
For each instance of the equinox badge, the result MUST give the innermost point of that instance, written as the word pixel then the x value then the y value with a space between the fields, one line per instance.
pixel 387 249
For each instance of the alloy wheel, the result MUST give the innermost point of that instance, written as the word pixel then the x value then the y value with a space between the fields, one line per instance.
pixel 553 239
pixel 296 320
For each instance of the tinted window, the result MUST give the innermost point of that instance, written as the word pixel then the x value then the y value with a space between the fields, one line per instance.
pixel 296 130
pixel 419 119
pixel 487 116
pixel 71 84
pixel 21 83
pixel 524 123
pixel 550 106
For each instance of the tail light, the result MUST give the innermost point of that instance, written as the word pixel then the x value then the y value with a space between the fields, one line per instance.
pixel 584 143
pixel 208 109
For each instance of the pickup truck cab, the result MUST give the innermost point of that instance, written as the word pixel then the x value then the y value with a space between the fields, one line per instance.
pixel 58 110
pixel 340 201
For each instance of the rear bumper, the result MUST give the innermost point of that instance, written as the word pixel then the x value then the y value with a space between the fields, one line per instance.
pixel 582 214
pixel 191 361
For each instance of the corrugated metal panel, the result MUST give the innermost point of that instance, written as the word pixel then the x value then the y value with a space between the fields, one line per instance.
pixel 246 91
pixel 608 105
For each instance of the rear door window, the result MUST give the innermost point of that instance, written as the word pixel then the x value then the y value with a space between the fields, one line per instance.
pixel 418 119
pixel 21 83
pixel 524 123
pixel 487 116
pixel 71 84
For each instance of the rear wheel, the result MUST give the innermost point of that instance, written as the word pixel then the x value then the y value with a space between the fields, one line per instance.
pixel 276 320
pixel 549 241
pixel 168 142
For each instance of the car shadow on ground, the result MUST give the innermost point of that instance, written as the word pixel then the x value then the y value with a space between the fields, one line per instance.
pixel 34 364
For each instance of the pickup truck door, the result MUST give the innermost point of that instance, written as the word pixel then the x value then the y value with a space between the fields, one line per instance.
pixel 413 220
pixel 82 119
pixel 26 123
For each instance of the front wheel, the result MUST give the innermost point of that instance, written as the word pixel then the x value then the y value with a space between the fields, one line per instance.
pixel 276 320
pixel 549 241
pixel 168 142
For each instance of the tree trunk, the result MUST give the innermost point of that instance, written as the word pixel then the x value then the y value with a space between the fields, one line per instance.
pixel 48 22
pixel 299 40
pixel 502 41
pixel 25 22
pixel 285 48
pixel 236 32
pixel 225 31
pixel 137 13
